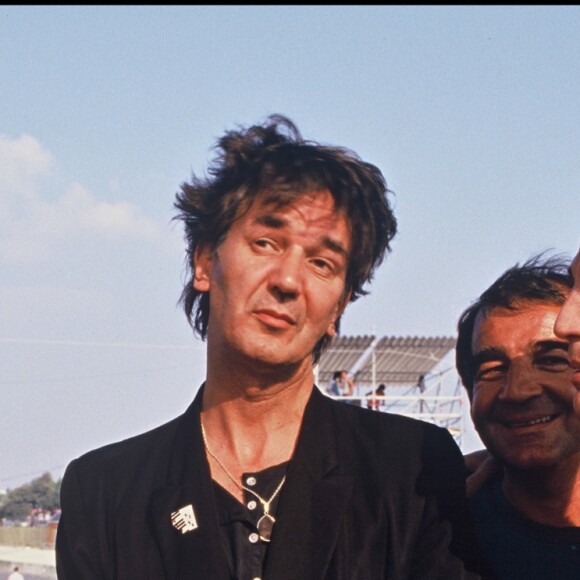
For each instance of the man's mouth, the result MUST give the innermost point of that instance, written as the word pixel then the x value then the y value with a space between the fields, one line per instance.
pixel 529 423
pixel 275 318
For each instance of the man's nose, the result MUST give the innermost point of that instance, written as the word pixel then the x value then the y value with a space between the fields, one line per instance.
pixel 567 324
pixel 287 273
pixel 522 382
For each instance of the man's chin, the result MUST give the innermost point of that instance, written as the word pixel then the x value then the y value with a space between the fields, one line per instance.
pixel 529 462
pixel 523 458
pixel 278 362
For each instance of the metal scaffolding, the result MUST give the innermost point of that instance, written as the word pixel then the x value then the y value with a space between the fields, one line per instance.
pixel 418 374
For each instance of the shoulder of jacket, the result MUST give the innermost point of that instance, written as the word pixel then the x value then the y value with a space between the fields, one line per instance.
pixel 120 453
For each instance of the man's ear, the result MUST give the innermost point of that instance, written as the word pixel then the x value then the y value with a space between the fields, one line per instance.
pixel 202 261
pixel 331 330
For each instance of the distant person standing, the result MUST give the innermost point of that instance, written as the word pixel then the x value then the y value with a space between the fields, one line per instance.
pixel 348 386
pixel 334 387
pixel 342 385
pixel 374 403
pixel 16 575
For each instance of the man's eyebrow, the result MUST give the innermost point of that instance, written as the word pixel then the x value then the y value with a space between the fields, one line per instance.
pixel 335 246
pixel 547 345
pixel 270 221
pixel 488 354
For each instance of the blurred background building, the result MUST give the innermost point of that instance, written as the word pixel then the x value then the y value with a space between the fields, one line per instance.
pixel 418 374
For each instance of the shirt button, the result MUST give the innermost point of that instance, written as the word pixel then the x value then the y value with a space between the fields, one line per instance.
pixel 252 505
pixel 254 538
pixel 251 480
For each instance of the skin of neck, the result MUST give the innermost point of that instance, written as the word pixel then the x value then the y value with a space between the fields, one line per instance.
pixel 252 413
pixel 549 496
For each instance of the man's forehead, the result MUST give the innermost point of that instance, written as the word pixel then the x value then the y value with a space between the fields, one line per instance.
pixel 523 328
pixel 282 200
pixel 316 209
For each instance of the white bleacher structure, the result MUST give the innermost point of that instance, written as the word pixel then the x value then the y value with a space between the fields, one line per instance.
pixel 418 373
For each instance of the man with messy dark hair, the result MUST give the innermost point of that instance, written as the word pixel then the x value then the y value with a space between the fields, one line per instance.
pixel 264 476
pixel 273 162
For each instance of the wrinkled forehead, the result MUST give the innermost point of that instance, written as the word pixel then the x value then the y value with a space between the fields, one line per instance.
pixel 279 198
pixel 313 205
pixel 517 328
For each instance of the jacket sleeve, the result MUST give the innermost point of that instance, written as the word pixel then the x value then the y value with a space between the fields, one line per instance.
pixel 77 544
pixel 446 547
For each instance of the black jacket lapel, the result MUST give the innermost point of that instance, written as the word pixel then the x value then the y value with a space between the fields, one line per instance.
pixel 313 500
pixel 196 553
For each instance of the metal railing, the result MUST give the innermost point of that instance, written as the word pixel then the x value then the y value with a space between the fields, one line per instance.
pixel 443 410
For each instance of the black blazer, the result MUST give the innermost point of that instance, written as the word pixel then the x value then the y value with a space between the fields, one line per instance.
pixel 368 495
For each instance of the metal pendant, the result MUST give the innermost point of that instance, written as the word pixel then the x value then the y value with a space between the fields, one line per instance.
pixel 265 525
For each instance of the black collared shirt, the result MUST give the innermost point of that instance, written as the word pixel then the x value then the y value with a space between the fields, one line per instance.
pixel 244 550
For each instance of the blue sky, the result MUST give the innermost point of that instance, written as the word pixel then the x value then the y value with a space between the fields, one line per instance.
pixel 470 112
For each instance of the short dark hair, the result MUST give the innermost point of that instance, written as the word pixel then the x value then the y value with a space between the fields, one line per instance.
pixel 273 158
pixel 540 279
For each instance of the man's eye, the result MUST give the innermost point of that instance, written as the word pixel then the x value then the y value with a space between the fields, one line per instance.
pixel 490 373
pixel 554 362
pixel 322 263
pixel 324 266
pixel 263 243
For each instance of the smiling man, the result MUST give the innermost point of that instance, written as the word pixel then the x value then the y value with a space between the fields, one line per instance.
pixel 264 476
pixel 517 374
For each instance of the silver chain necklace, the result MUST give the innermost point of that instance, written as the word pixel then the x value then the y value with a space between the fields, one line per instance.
pixel 266 522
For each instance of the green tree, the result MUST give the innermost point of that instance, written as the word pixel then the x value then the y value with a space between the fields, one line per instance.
pixel 41 492
pixel 44 493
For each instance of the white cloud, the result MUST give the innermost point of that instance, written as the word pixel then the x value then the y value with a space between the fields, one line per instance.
pixel 120 218
pixel 31 225
pixel 23 164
